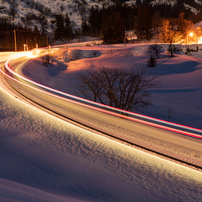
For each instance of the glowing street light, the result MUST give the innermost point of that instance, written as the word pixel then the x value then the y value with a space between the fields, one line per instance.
pixel 190 34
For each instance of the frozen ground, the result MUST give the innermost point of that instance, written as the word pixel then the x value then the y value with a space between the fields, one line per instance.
pixel 45 159
pixel 178 99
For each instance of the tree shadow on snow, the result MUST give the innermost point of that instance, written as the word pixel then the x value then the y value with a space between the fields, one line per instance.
pixel 181 68
pixel 54 69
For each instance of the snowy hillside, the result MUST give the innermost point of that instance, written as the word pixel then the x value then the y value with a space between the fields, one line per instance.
pixel 41 13
pixel 192 5
pixel 174 2
pixel 21 11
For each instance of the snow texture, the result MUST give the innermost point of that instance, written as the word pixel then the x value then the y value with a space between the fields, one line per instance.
pixel 43 158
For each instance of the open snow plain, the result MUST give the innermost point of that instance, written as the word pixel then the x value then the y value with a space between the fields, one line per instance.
pixel 45 159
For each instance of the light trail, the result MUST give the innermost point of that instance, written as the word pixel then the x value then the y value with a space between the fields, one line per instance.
pixel 79 100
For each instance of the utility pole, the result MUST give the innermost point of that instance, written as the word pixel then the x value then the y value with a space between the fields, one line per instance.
pixel 125 37
pixel 15 40
pixel 35 40
pixel 47 41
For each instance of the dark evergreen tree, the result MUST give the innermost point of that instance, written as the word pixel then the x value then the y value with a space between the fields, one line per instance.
pixel 143 23
pixel 95 21
pixel 12 12
pixel 59 27
pixel 128 14
pixel 112 27
pixel 68 28
pixel 156 23
pixel 85 27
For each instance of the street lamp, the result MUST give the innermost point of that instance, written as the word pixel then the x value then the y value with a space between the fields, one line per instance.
pixel 190 34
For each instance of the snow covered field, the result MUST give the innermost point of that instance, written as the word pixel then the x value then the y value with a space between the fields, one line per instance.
pixel 45 159
pixel 178 99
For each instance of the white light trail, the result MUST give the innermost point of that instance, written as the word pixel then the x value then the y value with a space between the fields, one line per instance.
pixel 98 106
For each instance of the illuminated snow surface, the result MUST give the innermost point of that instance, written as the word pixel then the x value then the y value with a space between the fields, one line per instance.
pixel 178 98
pixel 45 159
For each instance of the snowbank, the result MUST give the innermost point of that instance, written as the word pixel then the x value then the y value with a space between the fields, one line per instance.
pixel 45 159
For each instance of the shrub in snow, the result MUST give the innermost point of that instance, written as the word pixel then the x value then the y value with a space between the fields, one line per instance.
pixel 151 62
pixel 155 50
pixel 48 58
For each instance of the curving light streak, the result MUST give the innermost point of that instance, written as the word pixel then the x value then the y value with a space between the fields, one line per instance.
pixel 79 100
pixel 105 111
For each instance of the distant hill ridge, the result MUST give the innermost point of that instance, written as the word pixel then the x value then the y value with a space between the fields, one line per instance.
pixel 41 12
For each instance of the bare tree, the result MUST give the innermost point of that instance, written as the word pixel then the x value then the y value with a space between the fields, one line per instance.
pixel 47 58
pixel 119 88
pixel 154 50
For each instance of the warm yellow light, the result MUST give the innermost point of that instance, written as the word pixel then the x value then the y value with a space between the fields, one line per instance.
pixel 191 34
pixel 30 54
pixel 200 40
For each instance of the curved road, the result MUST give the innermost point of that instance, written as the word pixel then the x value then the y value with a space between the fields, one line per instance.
pixel 127 129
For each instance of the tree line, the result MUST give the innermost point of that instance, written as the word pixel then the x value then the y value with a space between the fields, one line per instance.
pixel 22 35
pixel 109 23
